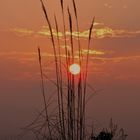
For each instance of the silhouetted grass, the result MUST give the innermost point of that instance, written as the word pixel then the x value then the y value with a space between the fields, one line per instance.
pixel 71 119
pixel 68 120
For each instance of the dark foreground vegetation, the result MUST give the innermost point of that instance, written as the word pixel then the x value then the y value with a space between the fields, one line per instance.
pixel 68 120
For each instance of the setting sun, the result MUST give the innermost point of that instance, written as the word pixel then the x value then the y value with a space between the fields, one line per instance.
pixel 74 69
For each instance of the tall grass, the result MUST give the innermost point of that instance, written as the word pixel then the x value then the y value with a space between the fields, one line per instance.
pixel 68 121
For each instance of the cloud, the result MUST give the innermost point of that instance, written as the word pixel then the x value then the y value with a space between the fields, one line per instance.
pixel 24 65
pixel 68 47
pixel 98 24
pixel 92 52
pixel 26 55
pixel 106 32
pixel 22 31
pixel 100 31
pixel 46 32
pixel 116 59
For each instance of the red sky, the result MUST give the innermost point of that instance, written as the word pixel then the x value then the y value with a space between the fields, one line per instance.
pixel 114 60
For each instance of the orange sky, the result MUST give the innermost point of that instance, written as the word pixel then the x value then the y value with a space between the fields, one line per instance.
pixel 114 58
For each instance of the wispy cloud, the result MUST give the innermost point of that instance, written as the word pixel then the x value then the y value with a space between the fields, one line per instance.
pixel 68 47
pixel 107 32
pixel 92 52
pixel 100 31
pixel 116 59
pixel 46 32
pixel 101 65
pixel 22 31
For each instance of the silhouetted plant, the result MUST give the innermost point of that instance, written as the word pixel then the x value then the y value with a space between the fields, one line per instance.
pixel 69 121
pixel 103 136
pixel 111 133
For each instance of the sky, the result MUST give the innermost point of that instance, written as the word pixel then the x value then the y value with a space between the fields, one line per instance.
pixel 114 59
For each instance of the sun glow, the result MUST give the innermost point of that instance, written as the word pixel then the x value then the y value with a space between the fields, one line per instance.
pixel 74 69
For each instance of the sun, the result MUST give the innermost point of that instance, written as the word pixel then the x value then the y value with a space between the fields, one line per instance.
pixel 74 69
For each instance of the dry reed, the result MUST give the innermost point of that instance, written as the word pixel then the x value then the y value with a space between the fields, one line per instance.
pixel 69 121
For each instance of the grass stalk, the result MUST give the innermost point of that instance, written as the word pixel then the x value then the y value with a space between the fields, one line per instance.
pixel 43 93
pixel 61 102
pixel 86 73
pixel 70 124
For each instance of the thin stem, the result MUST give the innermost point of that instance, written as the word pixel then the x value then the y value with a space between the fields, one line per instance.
pixel 43 93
